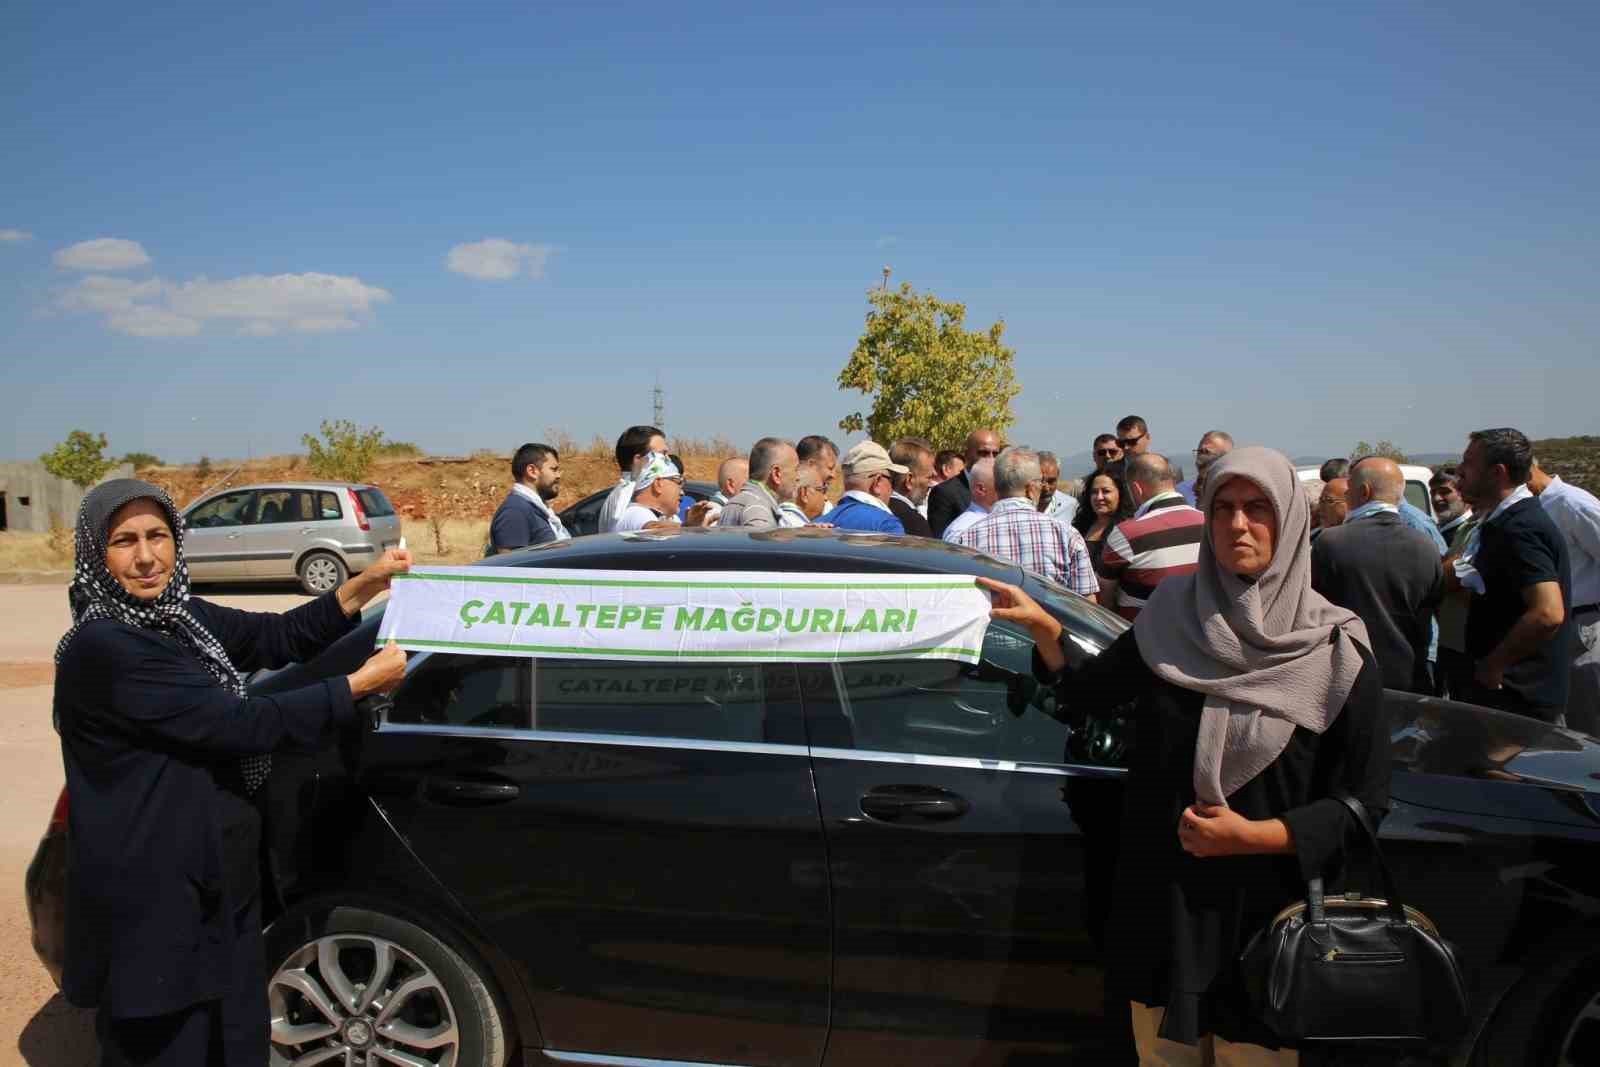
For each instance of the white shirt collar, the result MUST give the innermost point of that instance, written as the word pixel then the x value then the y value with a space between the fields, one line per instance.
pixel 866 498
pixel 1446 527
pixel 904 499
pixel 550 516
pixel 1520 493
pixel 1153 501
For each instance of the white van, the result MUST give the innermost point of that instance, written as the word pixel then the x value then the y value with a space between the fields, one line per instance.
pixel 1416 485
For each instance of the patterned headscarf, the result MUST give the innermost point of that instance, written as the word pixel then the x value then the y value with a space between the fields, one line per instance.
pixel 95 593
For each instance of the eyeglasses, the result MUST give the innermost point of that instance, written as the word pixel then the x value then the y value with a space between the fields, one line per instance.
pixel 989 452
pixel 1129 442
pixel 1109 453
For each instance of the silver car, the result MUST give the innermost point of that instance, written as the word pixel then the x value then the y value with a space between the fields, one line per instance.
pixel 314 532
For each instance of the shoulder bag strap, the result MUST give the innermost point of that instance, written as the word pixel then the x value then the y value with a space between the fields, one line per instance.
pixel 1397 911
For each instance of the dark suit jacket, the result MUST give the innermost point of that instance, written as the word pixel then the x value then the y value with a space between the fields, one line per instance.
pixel 151 743
pixel 947 500
pixel 1388 574
pixel 910 518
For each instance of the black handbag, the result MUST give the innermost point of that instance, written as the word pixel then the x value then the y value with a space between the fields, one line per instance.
pixel 1354 968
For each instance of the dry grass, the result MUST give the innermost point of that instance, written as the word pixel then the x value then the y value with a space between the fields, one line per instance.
pixel 463 539
pixel 22 552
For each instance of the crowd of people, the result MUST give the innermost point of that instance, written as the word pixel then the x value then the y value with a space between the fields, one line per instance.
pixel 1494 598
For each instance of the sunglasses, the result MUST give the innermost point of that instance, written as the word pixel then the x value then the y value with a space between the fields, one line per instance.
pixel 1110 453
pixel 1129 442
pixel 989 452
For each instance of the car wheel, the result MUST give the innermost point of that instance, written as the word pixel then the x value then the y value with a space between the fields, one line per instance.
pixel 358 986
pixel 321 572
pixel 1550 1019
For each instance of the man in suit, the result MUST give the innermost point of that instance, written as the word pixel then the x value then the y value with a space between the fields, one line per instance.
pixel 1385 572
pixel 951 497
pixel 911 488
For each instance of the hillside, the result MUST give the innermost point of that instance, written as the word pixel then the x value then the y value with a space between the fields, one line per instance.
pixel 1575 459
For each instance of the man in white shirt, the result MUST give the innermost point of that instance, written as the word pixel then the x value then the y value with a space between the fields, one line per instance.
pixel 657 488
pixel 1576 514
pixel 1055 501
pixel 981 479
pixel 633 445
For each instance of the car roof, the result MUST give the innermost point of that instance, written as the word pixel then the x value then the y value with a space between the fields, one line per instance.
pixel 282 485
pixel 735 549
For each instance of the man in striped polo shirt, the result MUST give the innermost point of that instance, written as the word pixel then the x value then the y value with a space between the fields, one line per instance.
pixel 1162 538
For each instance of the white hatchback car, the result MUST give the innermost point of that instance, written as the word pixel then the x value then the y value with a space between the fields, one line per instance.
pixel 316 533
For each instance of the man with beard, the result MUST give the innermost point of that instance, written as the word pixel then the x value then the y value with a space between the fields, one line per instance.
pixel 1519 635
pixel 1053 502
pixel 911 488
pixel 1456 523
pixel 524 518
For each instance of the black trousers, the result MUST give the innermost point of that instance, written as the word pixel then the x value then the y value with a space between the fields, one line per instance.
pixel 231 1032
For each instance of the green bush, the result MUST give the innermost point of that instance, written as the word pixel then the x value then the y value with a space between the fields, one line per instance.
pixel 345 452
pixel 141 460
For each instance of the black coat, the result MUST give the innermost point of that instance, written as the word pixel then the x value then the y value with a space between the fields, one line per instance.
pixel 910 518
pixel 947 500
pixel 1178 923
pixel 1388 574
pixel 151 743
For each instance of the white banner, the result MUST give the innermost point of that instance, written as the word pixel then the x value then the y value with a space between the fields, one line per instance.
pixel 698 615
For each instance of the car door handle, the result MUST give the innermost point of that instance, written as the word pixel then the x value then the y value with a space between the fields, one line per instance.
pixel 233 537
pixel 469 792
pixel 893 802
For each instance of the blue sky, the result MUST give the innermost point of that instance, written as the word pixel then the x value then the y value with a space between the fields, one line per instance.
pixel 1307 224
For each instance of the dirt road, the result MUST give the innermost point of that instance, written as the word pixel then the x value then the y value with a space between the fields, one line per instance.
pixel 37 1027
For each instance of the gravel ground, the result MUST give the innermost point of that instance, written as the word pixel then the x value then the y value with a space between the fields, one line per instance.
pixel 37 1027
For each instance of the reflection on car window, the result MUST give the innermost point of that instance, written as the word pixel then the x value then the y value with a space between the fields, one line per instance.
pixel 229 509
pixel 328 506
pixel 453 690
pixel 947 708
pixel 696 701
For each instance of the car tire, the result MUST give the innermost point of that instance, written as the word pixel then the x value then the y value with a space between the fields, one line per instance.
pixel 432 1004
pixel 1550 1019
pixel 321 572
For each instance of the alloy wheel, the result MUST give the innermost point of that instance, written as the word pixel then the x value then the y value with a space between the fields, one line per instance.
pixel 355 1000
pixel 322 573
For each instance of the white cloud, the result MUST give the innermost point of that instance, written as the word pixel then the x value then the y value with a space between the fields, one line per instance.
pixel 10 236
pixel 496 259
pixel 102 253
pixel 261 305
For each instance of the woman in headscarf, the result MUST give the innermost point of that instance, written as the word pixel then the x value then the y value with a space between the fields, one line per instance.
pixel 1257 700
pixel 164 755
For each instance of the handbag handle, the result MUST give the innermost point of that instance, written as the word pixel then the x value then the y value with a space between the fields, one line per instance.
pixel 1397 911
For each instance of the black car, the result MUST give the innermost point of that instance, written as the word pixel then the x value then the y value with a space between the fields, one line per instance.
pixel 791 864
pixel 584 516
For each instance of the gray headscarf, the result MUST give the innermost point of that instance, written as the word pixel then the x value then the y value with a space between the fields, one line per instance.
pixel 1269 654
pixel 95 593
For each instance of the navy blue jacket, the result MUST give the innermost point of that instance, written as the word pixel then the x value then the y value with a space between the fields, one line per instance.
pixel 518 524
pixel 151 743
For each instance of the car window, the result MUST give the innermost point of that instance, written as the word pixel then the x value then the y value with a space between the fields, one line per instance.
pixel 695 701
pixel 328 506
pixel 1417 497
pixel 229 509
pixel 937 707
pixel 455 690
pixel 374 503
pixel 283 505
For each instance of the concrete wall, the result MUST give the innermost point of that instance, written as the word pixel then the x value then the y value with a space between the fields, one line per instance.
pixel 33 495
